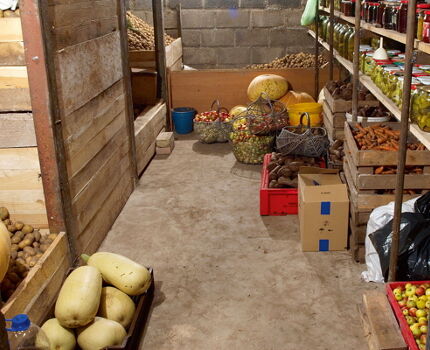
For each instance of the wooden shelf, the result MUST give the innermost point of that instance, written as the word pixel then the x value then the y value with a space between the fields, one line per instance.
pixel 365 80
pixel 424 47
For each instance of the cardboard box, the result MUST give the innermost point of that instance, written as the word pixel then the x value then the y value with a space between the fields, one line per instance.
pixel 323 210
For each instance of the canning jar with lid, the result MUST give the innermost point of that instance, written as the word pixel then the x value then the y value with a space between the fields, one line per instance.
pixel 379 15
pixel 402 17
pixel 426 27
pixel 373 13
pixel 346 7
pixel 389 16
pixel 421 8
pixel 420 110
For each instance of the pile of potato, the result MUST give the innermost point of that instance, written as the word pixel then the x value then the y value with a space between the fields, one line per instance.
pixel 336 152
pixel 283 170
pixel 294 60
pixel 9 13
pixel 141 34
pixel 28 246
pixel 343 90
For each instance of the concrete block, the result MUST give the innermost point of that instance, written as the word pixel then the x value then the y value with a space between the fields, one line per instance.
pixel 285 3
pixel 267 18
pixel 252 37
pixel 292 17
pixel 253 4
pixel 198 18
pixel 140 5
pixel 186 4
pixel 233 55
pixel 232 18
pixel 170 19
pixel 289 37
pixel 164 139
pixel 217 37
pixel 202 55
pixel 221 4
pixel 191 37
pixel 164 150
pixel 145 15
pixel 266 54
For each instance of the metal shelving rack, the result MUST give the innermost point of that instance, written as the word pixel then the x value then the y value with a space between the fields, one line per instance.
pixel 358 78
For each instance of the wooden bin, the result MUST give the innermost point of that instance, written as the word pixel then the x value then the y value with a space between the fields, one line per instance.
pixel 340 105
pixel 334 123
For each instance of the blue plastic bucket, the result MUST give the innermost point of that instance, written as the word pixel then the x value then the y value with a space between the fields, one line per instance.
pixel 183 119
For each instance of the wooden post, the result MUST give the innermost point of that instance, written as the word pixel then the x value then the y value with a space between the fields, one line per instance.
pixel 404 129
pixel 317 68
pixel 4 343
pixel 356 62
pixel 121 12
pixel 160 50
pixel 331 41
pixel 179 19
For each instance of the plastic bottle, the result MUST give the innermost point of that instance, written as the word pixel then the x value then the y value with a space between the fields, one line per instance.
pixel 25 335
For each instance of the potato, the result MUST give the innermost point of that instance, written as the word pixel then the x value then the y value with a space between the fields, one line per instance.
pixel 13 254
pixel 4 213
pixel 12 228
pixel 24 243
pixel 27 229
pixel 14 277
pixel 36 244
pixel 37 235
pixel 19 225
pixel 44 247
pixel 32 261
pixel 29 251
pixel 14 247
pixel 15 239
pixel 39 255
pixel 7 222
pixel 52 236
pixel 20 254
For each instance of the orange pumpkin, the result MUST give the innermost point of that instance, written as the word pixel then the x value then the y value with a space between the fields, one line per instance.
pixel 294 97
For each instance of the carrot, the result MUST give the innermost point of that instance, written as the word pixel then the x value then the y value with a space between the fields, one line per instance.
pixel 379 170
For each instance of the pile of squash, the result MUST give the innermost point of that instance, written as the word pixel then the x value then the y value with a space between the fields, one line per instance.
pixel 21 246
pixel 94 308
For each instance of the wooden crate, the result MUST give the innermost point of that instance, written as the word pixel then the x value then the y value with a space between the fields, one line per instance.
pixel 144 86
pixel 147 58
pixel 340 105
pixel 14 89
pixel 377 158
pixel 37 293
pixel 367 200
pixel 356 241
pixel 17 130
pixel 336 119
pixel 364 178
pixel 11 42
pixel 21 189
pixel 334 133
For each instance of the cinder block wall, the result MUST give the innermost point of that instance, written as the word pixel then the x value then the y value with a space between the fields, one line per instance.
pixel 234 33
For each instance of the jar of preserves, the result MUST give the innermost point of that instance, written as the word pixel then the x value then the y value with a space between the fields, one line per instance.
pixel 379 15
pixel 337 5
pixel 373 13
pixel 350 47
pixel 426 27
pixel 340 46
pixel 323 3
pixel 337 28
pixel 346 7
pixel 402 16
pixel 420 110
pixel 389 16
pixel 348 33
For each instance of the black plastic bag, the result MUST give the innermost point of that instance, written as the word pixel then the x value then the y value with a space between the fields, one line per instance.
pixel 422 205
pixel 414 247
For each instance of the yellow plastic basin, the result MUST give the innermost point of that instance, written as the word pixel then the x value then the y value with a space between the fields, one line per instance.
pixel 313 109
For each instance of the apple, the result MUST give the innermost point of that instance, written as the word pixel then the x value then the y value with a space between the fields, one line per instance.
pixel 423 339
pixel 420 291
pixel 421 346
pixel 428 291
pixel 421 304
pixel 426 285
pixel 421 313
pixel 413 311
pixel 398 297
pixel 410 291
pixel 423 328
pixel 410 303
pixel 428 304
pixel 413 297
pixel 415 329
pixel 397 290
pixel 402 303
pixel 405 312
pixel 422 321
pixel 423 297
pixel 408 285
pixel 410 320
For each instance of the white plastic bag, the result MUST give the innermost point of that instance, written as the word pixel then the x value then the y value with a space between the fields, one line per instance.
pixel 379 218
pixel 8 4
pixel 309 13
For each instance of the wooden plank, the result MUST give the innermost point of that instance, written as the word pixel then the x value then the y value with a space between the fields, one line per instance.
pixel 19 159
pixel 336 119
pixel 358 217
pixel 378 158
pixel 340 105
pixel 145 159
pixel 144 87
pixel 332 132
pixel 165 139
pixel 80 74
pixel 382 322
pixel 90 239
pixel 14 90
pixel 12 53
pixel 81 179
pixel 84 208
pixel 13 180
pixel 366 328
pixel 76 161
pixel 199 88
pixel 358 233
pixel 173 52
pixel 77 33
pixel 10 29
pixel 17 130
pixel 37 292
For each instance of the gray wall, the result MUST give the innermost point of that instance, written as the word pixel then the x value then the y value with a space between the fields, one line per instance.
pixel 234 33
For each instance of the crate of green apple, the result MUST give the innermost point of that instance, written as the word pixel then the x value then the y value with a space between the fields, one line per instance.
pixel 410 302
pixel 212 126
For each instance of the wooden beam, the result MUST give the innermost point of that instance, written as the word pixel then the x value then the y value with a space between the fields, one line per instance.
pixel 160 49
pixel 17 130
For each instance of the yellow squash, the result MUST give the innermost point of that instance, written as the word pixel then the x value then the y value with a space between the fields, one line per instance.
pixel 121 272
pixel 79 298
pixel 60 338
pixel 4 250
pixel 270 86
pixel 100 334
pixel 117 306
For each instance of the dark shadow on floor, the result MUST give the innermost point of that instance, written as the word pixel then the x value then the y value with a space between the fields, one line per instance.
pixel 216 149
pixel 247 171
pixel 281 228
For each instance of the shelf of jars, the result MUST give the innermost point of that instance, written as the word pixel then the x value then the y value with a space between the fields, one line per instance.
pixel 367 82
pixel 388 33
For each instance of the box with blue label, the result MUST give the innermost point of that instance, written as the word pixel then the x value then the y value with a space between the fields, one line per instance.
pixel 323 210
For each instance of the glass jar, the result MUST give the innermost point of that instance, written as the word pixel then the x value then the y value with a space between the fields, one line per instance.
pixel 420 110
pixel 348 33
pixel 388 16
pixel 337 5
pixel 337 28
pixel 346 7
pixel 426 27
pixel 350 47
pixel 373 13
pixel 340 46
pixel 379 16
pixel 324 24
pixel 323 3
pixel 402 17
pixel 364 10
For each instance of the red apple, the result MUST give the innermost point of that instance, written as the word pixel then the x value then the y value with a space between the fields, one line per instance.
pixel 413 311
pixel 420 291
pixel 423 338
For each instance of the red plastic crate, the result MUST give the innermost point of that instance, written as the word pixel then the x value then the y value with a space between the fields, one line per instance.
pixel 277 201
pixel 404 327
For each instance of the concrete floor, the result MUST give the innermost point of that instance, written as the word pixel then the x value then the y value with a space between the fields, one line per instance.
pixel 227 278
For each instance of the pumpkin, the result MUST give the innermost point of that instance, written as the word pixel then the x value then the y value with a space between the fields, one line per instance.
pixel 294 97
pixel 237 110
pixel 272 86
pixel 5 246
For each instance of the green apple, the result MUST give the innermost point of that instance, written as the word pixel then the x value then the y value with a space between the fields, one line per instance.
pixel 405 312
pixel 408 285
pixel 410 291
pixel 397 290
pixel 422 320
pixel 410 303
pixel 421 304
pixel 415 329
pixel 398 297
pixel 428 304
pixel 423 328
pixel 402 303
pixel 423 297
pixel 410 320
pixel 423 338
pixel 421 313
pixel 428 291
pixel 413 297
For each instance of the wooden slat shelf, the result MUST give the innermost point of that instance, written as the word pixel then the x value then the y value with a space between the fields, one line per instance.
pixel 365 80
pixel 424 47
